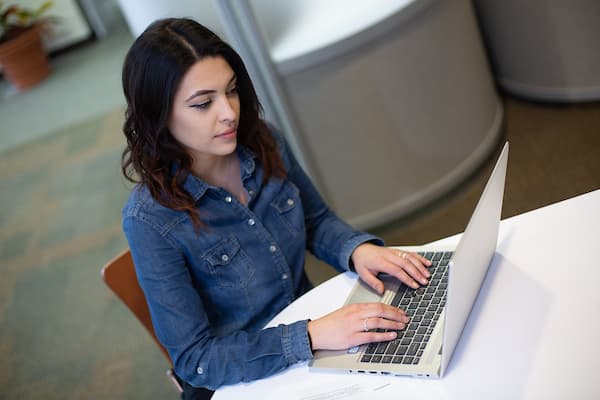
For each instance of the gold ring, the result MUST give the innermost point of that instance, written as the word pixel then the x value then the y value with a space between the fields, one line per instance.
pixel 403 254
pixel 366 328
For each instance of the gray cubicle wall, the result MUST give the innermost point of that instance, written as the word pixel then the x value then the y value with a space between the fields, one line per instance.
pixel 545 50
pixel 400 118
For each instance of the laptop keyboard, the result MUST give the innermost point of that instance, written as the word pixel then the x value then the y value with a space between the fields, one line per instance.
pixel 423 306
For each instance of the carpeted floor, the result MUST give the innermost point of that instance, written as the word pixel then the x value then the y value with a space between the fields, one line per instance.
pixel 63 335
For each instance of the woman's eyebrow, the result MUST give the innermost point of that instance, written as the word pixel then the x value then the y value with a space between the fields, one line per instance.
pixel 208 91
pixel 199 93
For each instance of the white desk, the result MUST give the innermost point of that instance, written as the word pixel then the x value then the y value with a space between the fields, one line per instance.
pixel 534 332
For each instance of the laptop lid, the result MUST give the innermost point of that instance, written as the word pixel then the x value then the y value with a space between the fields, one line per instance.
pixel 472 257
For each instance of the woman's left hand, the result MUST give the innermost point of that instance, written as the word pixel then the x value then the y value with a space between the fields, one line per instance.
pixel 410 268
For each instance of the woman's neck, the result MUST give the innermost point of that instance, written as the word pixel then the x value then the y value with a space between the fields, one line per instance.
pixel 224 172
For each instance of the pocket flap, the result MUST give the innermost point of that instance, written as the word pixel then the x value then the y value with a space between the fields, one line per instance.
pixel 286 200
pixel 223 252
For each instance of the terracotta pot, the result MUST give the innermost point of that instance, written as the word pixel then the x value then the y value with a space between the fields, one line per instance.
pixel 24 60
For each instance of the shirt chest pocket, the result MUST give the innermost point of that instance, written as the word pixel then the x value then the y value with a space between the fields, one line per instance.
pixel 229 266
pixel 288 208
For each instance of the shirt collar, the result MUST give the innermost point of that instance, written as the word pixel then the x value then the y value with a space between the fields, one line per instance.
pixel 196 187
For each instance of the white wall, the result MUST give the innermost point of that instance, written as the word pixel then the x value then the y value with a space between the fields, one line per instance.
pixel 140 13
pixel 70 28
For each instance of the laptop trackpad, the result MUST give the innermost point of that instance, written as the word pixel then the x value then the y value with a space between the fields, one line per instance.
pixel 362 293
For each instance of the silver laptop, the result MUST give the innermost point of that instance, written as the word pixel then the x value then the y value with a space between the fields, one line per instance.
pixel 438 311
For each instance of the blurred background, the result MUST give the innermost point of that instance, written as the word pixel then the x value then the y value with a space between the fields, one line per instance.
pixel 396 109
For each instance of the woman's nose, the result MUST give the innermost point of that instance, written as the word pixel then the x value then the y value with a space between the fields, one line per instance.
pixel 228 111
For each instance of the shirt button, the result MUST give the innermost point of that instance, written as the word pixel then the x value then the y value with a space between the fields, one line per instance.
pixel 272 248
pixel 251 222
pixel 228 199
pixel 284 276
pixel 225 257
pixel 290 202
pixel 200 370
pixel 251 192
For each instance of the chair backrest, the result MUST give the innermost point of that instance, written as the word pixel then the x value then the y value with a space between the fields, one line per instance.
pixel 119 275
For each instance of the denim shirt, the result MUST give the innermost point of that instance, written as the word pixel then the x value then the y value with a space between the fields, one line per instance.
pixel 211 292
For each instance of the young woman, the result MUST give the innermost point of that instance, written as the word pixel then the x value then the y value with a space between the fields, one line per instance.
pixel 222 215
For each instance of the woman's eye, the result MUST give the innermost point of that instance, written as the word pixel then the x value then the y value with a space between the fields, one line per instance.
pixel 201 106
pixel 233 90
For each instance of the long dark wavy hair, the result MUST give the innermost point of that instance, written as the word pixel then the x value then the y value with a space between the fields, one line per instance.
pixel 153 69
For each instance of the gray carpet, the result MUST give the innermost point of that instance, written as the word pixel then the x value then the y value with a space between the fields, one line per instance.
pixel 63 335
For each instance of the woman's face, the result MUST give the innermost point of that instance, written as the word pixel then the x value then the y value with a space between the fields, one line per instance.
pixel 206 108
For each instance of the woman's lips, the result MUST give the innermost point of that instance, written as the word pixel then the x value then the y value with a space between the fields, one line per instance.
pixel 227 134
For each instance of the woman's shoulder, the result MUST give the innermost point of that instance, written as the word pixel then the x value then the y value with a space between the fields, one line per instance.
pixel 141 204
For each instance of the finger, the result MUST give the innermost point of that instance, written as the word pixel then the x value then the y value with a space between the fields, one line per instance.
pixel 411 268
pixel 424 260
pixel 372 281
pixel 368 324
pixel 416 261
pixel 380 310
pixel 407 273
pixel 372 336
pixel 390 264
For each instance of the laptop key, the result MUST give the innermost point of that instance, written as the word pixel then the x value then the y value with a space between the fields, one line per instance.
pixel 381 348
pixel 386 359
pixel 366 358
pixel 371 348
pixel 392 347
pixel 412 350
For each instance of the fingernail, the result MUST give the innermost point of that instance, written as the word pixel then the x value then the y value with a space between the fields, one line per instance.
pixel 392 335
pixel 424 281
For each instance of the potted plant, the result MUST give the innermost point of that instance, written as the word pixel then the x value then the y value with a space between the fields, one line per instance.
pixel 22 56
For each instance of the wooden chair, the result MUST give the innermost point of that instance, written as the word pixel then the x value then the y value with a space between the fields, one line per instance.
pixel 119 275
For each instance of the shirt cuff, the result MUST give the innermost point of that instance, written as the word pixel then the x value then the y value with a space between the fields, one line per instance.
pixel 352 244
pixel 295 342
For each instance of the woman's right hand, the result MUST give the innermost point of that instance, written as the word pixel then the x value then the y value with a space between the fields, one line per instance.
pixel 356 324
